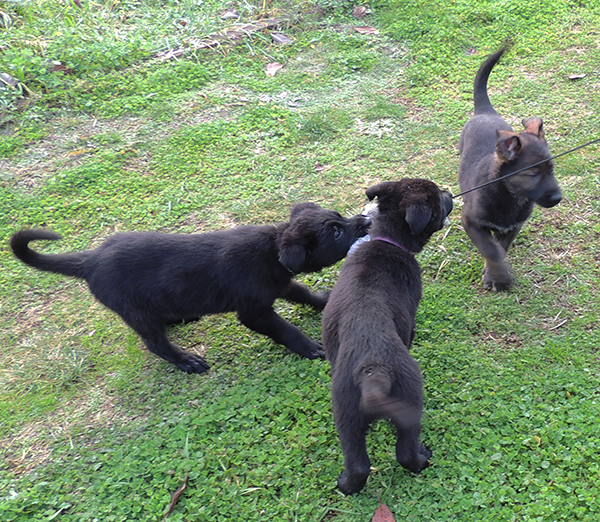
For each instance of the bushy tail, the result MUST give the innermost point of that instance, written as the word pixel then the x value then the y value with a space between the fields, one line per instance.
pixel 72 264
pixel 376 400
pixel 480 96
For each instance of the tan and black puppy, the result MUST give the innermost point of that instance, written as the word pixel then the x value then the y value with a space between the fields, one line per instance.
pixel 152 279
pixel 369 323
pixel 490 149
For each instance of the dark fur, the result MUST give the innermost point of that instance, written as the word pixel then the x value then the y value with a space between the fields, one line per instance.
pixel 368 327
pixel 152 279
pixel 490 149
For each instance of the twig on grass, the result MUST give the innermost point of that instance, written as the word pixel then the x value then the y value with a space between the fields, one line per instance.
pixel 176 496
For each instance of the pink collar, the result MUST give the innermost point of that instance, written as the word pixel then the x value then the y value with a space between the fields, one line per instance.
pixel 391 242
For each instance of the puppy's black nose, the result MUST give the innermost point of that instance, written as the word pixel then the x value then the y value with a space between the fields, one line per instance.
pixel 362 221
pixel 551 200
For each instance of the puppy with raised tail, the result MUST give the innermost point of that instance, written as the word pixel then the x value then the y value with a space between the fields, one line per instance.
pixel 489 149
pixel 152 279
pixel 369 323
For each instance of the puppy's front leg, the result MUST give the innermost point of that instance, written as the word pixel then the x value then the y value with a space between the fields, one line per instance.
pixel 265 320
pixel 496 273
pixel 505 239
pixel 298 293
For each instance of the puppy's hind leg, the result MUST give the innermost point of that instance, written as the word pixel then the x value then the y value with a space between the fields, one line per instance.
pixel 155 339
pixel 352 429
pixel 410 453
pixel 264 320
pixel 297 293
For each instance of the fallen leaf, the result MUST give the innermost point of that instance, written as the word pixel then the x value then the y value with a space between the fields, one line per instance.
pixel 220 39
pixel 281 38
pixel 321 168
pixel 230 13
pixel 365 29
pixel 77 152
pixel 59 67
pixel 360 11
pixel 176 496
pixel 383 513
pixel 78 4
pixel 576 76
pixel 272 68
pixel 7 79
pixel 235 35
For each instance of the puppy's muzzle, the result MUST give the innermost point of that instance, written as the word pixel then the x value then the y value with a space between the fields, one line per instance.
pixel 550 199
pixel 447 203
pixel 362 223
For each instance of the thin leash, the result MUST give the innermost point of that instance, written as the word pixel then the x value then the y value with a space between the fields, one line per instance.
pixel 525 168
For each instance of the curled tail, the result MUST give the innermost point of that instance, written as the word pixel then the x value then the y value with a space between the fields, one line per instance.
pixel 73 264
pixel 378 401
pixel 480 96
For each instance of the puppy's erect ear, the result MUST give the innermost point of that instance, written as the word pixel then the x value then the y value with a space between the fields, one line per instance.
pixel 417 217
pixel 293 249
pixel 508 144
pixel 534 126
pixel 299 207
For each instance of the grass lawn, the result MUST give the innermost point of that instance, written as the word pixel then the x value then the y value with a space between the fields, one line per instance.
pixel 116 116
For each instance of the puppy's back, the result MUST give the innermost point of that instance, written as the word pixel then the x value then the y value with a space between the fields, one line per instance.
pixel 377 290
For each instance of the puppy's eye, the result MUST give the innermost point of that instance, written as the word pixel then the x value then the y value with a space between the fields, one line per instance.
pixel 337 232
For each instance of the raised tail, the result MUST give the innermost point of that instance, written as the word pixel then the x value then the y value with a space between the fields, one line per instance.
pixel 377 400
pixel 480 95
pixel 72 264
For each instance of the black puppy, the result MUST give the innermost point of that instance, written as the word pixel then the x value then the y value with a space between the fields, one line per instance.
pixel 490 149
pixel 152 279
pixel 368 327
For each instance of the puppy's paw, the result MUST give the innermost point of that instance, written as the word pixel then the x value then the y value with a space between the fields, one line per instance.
pixel 427 453
pixel 315 351
pixel 494 285
pixel 496 280
pixel 349 484
pixel 308 348
pixel 192 363
pixel 320 299
pixel 416 463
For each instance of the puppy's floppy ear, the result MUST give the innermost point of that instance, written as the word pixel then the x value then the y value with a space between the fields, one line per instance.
pixel 534 126
pixel 417 217
pixel 299 207
pixel 508 144
pixel 377 191
pixel 293 250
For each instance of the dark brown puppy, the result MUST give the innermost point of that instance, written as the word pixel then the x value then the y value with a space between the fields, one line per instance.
pixel 490 149
pixel 368 327
pixel 152 279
